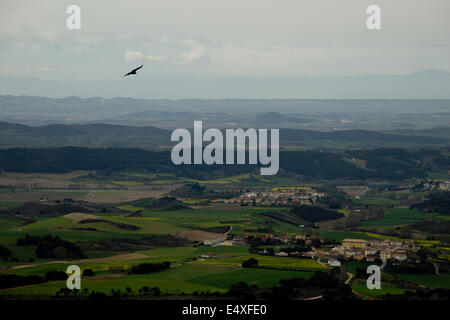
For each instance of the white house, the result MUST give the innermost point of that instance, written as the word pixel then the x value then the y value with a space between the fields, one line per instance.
pixel 334 263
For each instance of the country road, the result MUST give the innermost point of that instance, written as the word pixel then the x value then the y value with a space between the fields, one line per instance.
pixel 226 233
pixel 115 258
pixel 363 296
pixel 350 276
pixel 313 298
pixel 436 268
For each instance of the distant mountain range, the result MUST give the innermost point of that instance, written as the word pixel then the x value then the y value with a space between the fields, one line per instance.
pixel 44 110
pixel 427 84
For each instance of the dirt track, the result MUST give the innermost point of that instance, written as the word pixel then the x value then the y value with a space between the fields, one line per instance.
pixel 199 235
pixel 78 217
pixel 119 257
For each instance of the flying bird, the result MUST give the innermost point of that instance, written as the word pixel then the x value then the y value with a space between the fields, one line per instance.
pixel 133 71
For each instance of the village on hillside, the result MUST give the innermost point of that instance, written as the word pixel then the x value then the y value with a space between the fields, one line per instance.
pixel 286 195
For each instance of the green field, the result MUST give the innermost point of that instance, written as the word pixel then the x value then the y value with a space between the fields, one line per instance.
pixel 340 235
pixel 189 271
pixel 174 255
pixel 379 201
pixel 397 217
pixel 361 287
pixel 152 223
pixel 9 204
pixel 258 277
pixel 133 179
pixel 428 280
pixel 268 261
pixel 184 278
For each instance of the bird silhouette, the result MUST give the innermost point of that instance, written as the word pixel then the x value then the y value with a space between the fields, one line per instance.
pixel 133 71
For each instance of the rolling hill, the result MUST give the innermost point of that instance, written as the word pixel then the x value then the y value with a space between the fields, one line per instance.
pixel 120 136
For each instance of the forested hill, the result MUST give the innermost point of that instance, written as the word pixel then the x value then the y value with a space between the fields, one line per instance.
pixel 378 163
pixel 152 138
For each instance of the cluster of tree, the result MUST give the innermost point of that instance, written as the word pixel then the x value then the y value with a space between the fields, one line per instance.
pixel 67 159
pixel 355 218
pixel 88 273
pixel 5 253
pixel 320 279
pixel 438 202
pixel 196 191
pixel 355 137
pixel 56 275
pixel 286 217
pixel 409 267
pixel 135 214
pixel 145 291
pixel 31 209
pixel 435 226
pixel 403 232
pixel 150 267
pixel 218 229
pixel 269 251
pixel 268 229
pixel 255 241
pixel 302 248
pixel 326 284
pixel 190 190
pixel 335 198
pixel 394 163
pixel 250 263
pixel 36 209
pixel 52 247
pixel 14 280
pixel 421 294
pixel 315 214
pixel 442 160
pixel 323 165
pixel 116 224
pixel 127 244
pixel 83 293
pixel 164 203
pixel 382 163
pixel 321 283
pixel 437 229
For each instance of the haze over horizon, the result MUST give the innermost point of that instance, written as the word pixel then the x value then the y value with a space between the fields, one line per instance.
pixel 274 49
pixel 428 84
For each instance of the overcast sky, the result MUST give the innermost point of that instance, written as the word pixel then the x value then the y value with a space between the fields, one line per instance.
pixel 222 38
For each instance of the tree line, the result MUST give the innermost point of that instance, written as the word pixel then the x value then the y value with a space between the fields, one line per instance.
pixel 384 164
